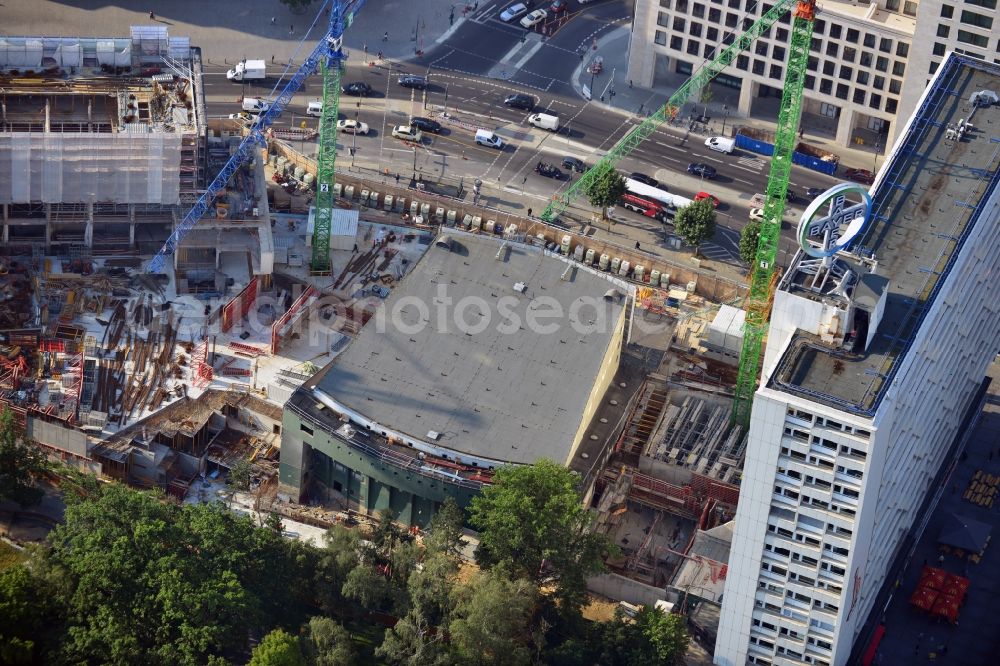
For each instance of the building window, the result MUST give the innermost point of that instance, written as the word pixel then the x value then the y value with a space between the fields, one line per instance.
pixel 660 38
pixel 663 20
pixel 869 40
pixel 842 91
pixel 933 68
pixel 665 4
pixel 693 47
pixel 742 62
pixel 938 49
pixel 947 11
pixel 306 429
pixel 866 59
pixel 892 5
pixel 943 31
pixel 862 77
pixel 885 45
pixel 778 53
pixel 695 29
pixel 988 4
pixel 829 68
pixel 679 24
pixel 832 49
pixel 881 64
pixel 698 10
pixel 972 18
pixel 890 105
pixel 812 64
pixel 902 49
pixel 776 72
pixel 731 20
pixel 894 86
pixel 709 53
pixel 825 86
pixel 676 43
pixel 898 68
pixel 853 35
pixel 910 8
pixel 967 37
pixel 850 54
pixel 846 72
pixel 816 45
pixel 810 82
pixel 758 67
pixel 819 26
pixel 760 48
pixel 712 34
pixel 714 15
pixel 682 6
pixel 835 31
pixel 782 35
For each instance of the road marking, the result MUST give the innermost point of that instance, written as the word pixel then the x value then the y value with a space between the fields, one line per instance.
pixel 740 180
pixel 531 52
pixel 746 169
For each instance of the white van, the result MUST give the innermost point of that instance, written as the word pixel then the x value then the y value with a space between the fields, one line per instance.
pixel 721 144
pixel 315 108
pixel 544 121
pixel 487 138
pixel 254 105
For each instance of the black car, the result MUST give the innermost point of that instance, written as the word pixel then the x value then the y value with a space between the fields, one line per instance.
pixel 548 170
pixel 574 164
pixel 410 81
pixel 426 125
pixel 643 178
pixel 813 192
pixel 863 176
pixel 357 88
pixel 701 169
pixel 519 101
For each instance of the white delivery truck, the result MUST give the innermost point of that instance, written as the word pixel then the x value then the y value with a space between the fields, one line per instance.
pixel 545 121
pixel 254 105
pixel 315 108
pixel 488 138
pixel 721 144
pixel 247 70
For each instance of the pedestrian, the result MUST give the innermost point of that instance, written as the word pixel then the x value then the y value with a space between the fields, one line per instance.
pixel 365 47
pixel 637 245
pixel 355 248
pixel 630 84
pixel 380 56
pixel 397 179
pixel 640 107
pixel 602 98
pixel 529 212
pixel 272 60
pixel 385 37
pixel 272 20
pixel 152 16
pixel 291 30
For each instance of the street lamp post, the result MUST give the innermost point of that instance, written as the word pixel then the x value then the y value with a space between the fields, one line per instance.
pixel 446 99
pixel 354 139
pixel 878 145
pixel 725 116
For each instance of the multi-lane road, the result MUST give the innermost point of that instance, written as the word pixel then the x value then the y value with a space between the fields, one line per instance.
pixel 470 90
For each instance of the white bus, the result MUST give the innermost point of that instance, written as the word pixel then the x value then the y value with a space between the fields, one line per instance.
pixel 655 193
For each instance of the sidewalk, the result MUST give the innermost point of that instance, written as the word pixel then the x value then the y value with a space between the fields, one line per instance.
pixel 611 89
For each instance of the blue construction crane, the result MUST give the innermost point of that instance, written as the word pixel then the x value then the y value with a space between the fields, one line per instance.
pixel 327 54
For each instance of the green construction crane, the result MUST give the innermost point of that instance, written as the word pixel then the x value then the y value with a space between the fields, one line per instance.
pixel 325 162
pixel 763 272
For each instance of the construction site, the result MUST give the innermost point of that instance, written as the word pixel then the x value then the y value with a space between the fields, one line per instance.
pixel 165 378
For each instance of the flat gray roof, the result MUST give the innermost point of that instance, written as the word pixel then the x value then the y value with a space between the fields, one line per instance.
pixel 929 197
pixel 506 394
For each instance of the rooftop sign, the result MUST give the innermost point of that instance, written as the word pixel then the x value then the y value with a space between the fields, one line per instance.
pixel 842 223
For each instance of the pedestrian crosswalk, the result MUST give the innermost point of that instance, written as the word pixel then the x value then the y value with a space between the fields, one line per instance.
pixel 749 162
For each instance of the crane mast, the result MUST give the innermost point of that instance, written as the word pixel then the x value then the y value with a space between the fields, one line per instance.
pixel 328 56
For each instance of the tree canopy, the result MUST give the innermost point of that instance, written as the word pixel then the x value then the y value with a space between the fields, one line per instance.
pixel 606 190
pixel 20 462
pixel 532 522
pixel 327 643
pixel 491 622
pixel 749 236
pixel 279 648
pixel 695 223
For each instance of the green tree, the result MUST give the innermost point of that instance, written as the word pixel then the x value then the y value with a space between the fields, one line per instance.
pixel 652 637
pixel 31 625
pixel 533 523
pixel 328 643
pixel 414 642
pixel 279 648
pixel 207 575
pixel 695 223
pixel 20 462
pixel 368 587
pixel 606 190
pixel 297 6
pixel 445 529
pixel 665 634
pixel 340 554
pixel 240 475
pixel 749 237
pixel 431 585
pixel 492 620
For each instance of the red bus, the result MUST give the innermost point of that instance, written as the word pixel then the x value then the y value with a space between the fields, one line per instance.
pixel 648 207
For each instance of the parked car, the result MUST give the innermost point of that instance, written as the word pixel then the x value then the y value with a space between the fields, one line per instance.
pixel 407 133
pixel 813 192
pixel 411 81
pixel 242 116
pixel 643 178
pixel 513 12
pixel 534 18
pixel 863 176
pixel 520 101
pixel 559 6
pixel 701 196
pixel 426 125
pixel 756 213
pixel 702 169
pixel 548 170
pixel 574 164
pixel 357 88
pixel 352 126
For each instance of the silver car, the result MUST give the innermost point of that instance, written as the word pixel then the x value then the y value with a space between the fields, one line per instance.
pixel 513 12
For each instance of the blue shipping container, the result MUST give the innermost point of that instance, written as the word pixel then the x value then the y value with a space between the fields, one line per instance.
pixel 765 148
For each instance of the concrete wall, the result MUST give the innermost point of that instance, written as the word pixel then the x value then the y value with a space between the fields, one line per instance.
pixel 58 436
pixel 619 588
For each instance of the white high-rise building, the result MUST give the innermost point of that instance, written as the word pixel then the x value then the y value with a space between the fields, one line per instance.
pixel 872 362
pixel 865 76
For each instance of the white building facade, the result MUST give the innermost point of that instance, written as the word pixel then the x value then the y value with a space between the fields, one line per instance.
pixel 864 391
pixel 863 72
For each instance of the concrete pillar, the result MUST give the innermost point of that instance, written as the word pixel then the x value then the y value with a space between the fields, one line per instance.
pixel 131 235
pixel 48 227
pixel 88 233
pixel 746 96
pixel 844 124
pixel 6 234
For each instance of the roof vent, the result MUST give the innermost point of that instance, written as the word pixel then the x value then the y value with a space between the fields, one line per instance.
pixel 612 295
pixel 984 98
pixel 520 287
pixel 433 435
pixel 567 273
pixel 502 252
pixel 444 242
